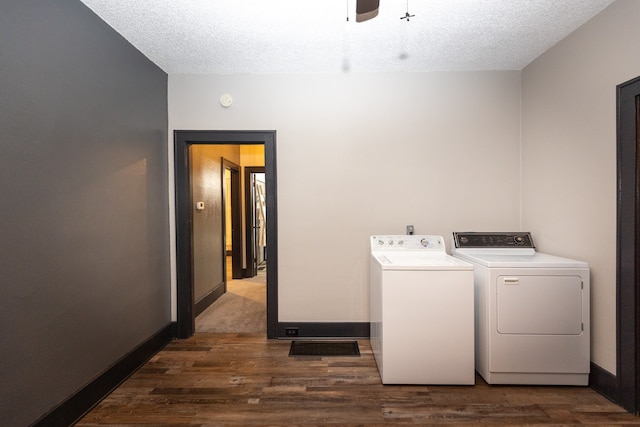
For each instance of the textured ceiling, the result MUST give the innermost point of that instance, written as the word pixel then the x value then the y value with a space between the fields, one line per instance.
pixel 314 36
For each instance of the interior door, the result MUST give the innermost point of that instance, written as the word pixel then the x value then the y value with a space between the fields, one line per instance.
pixel 628 237
pixel 260 223
pixel 232 219
pixel 251 219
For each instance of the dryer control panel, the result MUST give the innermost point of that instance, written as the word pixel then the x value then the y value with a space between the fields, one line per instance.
pixel 493 240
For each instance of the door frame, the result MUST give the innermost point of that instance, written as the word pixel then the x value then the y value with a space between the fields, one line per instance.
pixel 233 194
pixel 184 219
pixel 249 200
pixel 628 245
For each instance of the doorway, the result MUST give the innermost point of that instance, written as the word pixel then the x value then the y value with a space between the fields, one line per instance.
pixel 628 242
pixel 255 220
pixel 231 218
pixel 184 220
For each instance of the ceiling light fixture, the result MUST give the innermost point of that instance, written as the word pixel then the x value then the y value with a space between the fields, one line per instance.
pixel 366 9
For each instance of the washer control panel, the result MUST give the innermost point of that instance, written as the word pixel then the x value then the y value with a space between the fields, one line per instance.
pixel 493 240
pixel 412 242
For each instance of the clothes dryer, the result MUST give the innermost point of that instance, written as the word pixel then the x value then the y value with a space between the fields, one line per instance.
pixel 532 311
pixel 421 307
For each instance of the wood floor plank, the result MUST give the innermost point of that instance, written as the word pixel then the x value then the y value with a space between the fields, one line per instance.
pixel 231 380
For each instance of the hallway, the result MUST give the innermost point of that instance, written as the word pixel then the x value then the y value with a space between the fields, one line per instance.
pixel 243 308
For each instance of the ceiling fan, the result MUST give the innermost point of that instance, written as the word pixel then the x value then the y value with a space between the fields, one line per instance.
pixel 367 9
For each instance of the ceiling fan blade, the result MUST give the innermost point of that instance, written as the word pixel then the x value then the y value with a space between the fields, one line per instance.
pixel 366 9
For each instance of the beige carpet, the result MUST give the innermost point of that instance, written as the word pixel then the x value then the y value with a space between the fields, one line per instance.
pixel 242 308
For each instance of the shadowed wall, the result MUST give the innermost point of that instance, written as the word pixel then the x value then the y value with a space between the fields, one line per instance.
pixel 84 218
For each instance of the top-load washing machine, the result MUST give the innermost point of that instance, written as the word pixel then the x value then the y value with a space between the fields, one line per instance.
pixel 532 311
pixel 421 308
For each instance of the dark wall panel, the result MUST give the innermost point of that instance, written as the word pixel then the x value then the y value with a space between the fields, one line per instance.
pixel 83 186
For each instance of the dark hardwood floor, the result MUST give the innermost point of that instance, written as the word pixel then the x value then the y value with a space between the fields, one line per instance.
pixel 247 380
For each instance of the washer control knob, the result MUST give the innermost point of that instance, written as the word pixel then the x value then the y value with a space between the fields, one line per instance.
pixel 425 242
pixel 401 242
pixel 391 242
pixel 381 242
pixel 518 239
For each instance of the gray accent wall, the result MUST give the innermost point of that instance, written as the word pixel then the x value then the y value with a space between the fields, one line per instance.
pixel 84 240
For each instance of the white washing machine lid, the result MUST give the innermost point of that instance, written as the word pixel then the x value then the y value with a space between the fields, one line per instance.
pixel 418 261
pixel 514 259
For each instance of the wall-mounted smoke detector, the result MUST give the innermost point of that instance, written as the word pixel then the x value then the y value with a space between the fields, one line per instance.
pixel 226 100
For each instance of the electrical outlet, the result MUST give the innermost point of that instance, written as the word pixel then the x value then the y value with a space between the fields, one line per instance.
pixel 291 332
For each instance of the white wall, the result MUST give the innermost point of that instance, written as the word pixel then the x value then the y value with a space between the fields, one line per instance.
pixel 569 153
pixel 363 154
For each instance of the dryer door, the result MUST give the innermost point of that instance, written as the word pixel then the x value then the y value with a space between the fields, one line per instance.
pixel 539 305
